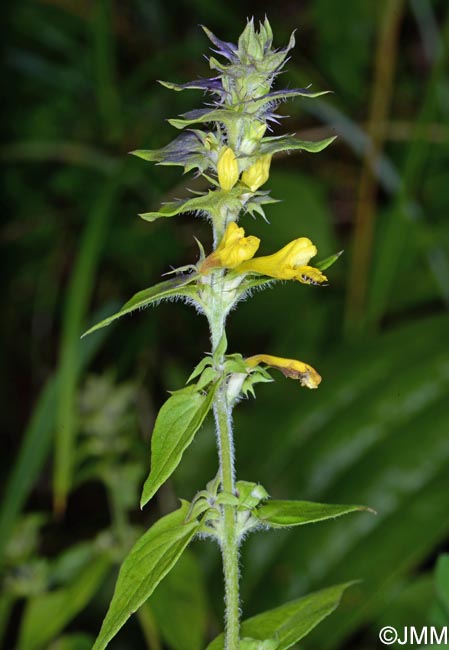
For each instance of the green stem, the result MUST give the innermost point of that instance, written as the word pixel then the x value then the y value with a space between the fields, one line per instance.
pixel 118 514
pixel 222 413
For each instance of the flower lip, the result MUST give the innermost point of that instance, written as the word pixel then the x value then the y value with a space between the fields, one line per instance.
pixel 233 250
pixel 288 263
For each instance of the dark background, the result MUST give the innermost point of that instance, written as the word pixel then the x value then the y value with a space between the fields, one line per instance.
pixel 81 92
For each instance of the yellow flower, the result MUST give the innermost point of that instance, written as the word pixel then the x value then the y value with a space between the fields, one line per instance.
pixel 227 169
pixel 292 368
pixel 289 263
pixel 233 249
pixel 258 174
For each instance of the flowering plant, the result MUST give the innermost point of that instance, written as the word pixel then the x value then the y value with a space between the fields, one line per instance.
pixel 233 153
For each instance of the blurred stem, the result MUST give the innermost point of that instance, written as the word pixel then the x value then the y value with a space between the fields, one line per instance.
pixel 7 601
pixel 118 513
pixel 78 296
pixel 36 443
pixel 105 77
pixel 223 412
pixel 406 221
pixel 70 153
pixel 386 56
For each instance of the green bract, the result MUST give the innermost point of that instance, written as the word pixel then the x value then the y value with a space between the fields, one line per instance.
pixel 229 147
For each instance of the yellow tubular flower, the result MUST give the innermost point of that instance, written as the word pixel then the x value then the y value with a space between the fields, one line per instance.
pixel 233 249
pixel 258 174
pixel 227 169
pixel 292 368
pixel 289 263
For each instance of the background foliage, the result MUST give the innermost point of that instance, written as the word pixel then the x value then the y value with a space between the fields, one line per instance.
pixel 77 416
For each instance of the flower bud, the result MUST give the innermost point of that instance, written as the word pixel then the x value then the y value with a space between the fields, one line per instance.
pixel 227 169
pixel 291 368
pixel 258 174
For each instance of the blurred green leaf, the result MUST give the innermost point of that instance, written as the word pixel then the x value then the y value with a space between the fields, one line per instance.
pixel 47 615
pixel 72 642
pixel 181 597
pixel 442 581
pixel 36 445
pixel 407 604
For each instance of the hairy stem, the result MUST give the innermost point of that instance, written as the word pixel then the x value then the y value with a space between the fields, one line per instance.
pixel 222 413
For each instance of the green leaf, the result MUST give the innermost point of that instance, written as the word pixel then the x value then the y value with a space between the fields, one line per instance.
pixel 148 562
pixel 179 419
pixel 210 203
pixel 46 615
pixel 290 143
pixel 204 115
pixel 291 622
pixel 181 597
pixel 278 514
pixel 167 289
pixel 199 368
pixel 187 150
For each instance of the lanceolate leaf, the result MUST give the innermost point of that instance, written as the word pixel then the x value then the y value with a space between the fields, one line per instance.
pixel 167 289
pixel 278 514
pixel 179 419
pixel 151 558
pixel 290 143
pixel 203 115
pixel 291 622
pixel 210 204
pixel 187 150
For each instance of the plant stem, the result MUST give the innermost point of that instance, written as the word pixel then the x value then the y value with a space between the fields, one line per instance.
pixel 222 413
pixel 118 514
